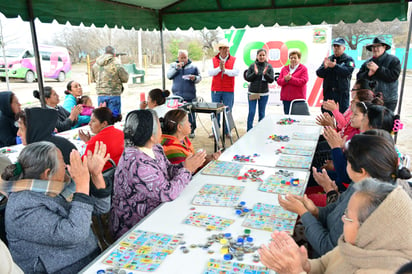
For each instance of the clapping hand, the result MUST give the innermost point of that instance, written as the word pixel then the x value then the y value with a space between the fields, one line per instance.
pixel 333 138
pixel 325 120
pixel 292 203
pixel 288 77
pixel 96 162
pixel 323 179
pixel 330 105
pixel 84 135
pixel 222 65
pixel 193 162
pixel 283 255
pixel 265 70
pixel 79 172
pixel 373 67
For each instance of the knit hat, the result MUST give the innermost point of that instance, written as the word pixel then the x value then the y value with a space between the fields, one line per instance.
pixel 138 127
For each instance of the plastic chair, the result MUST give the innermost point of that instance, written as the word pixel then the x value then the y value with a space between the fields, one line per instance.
pixel 230 125
pixel 299 107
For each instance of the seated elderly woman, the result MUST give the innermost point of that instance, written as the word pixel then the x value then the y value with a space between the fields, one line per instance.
pixel 144 177
pixel 374 239
pixel 156 100
pixel 102 125
pixel 368 156
pixel 48 227
pixel 37 124
pixel 176 144
pixel 9 108
pixel 66 120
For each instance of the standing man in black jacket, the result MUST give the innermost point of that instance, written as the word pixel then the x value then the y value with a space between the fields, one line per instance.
pixel 383 68
pixel 336 71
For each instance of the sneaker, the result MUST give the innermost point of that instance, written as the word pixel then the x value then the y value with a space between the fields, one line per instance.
pixel 192 135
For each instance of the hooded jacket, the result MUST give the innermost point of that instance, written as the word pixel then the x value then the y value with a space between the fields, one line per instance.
pixel 382 244
pixel 8 129
pixel 40 126
pixel 109 74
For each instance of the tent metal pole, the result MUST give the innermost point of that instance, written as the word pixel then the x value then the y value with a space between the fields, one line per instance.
pixel 163 52
pixel 405 67
pixel 36 52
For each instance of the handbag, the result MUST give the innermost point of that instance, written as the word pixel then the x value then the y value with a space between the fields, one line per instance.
pixel 254 96
pixel 108 174
pixel 100 222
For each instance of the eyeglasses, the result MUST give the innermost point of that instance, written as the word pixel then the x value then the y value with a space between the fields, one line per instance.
pixel 346 218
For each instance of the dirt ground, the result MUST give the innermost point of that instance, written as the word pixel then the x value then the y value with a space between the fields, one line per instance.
pixel 153 79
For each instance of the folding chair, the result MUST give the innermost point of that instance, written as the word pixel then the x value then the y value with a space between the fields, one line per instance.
pixel 230 125
pixel 216 131
pixel 299 107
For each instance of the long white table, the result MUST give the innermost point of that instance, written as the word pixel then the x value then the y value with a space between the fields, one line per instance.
pixel 168 218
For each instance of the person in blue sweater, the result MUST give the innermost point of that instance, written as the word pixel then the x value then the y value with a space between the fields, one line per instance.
pixel 368 156
pixel 74 90
pixel 185 76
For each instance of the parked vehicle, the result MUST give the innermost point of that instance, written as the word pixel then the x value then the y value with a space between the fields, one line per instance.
pixel 55 63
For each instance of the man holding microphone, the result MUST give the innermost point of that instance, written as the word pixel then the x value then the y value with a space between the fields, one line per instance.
pixel 185 75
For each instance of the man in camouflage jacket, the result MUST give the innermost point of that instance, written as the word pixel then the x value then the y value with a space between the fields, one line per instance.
pixel 109 74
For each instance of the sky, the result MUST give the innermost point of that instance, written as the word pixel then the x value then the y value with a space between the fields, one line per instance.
pixel 23 35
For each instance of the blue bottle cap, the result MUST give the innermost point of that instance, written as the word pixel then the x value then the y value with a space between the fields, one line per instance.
pixel 245 210
pixel 249 239
pixel 242 203
pixel 227 235
pixel 101 271
pixel 227 257
pixel 240 240
pixel 238 211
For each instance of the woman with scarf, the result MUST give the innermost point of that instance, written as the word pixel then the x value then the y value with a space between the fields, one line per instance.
pixel 48 216
pixel 259 74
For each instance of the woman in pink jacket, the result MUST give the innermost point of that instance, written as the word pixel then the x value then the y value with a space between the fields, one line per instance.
pixel 293 79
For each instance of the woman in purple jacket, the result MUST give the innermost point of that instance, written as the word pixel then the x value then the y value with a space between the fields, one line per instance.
pixel 144 177
pixel 293 79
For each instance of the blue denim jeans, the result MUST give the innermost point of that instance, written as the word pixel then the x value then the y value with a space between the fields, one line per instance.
pixel 112 102
pixel 286 106
pixel 227 98
pixel 261 102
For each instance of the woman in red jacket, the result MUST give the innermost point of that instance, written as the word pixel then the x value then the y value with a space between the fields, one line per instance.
pixel 293 79
pixel 102 125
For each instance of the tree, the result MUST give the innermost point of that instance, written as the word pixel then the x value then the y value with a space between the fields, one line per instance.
pixel 353 34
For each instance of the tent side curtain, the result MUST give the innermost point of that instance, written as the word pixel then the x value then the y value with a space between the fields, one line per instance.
pixel 88 12
pixel 284 16
pixel 206 13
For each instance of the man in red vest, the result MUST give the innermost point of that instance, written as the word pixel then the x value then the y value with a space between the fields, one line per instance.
pixel 224 72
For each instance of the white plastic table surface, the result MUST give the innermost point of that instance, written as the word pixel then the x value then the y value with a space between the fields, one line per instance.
pixel 168 218
pixel 257 141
